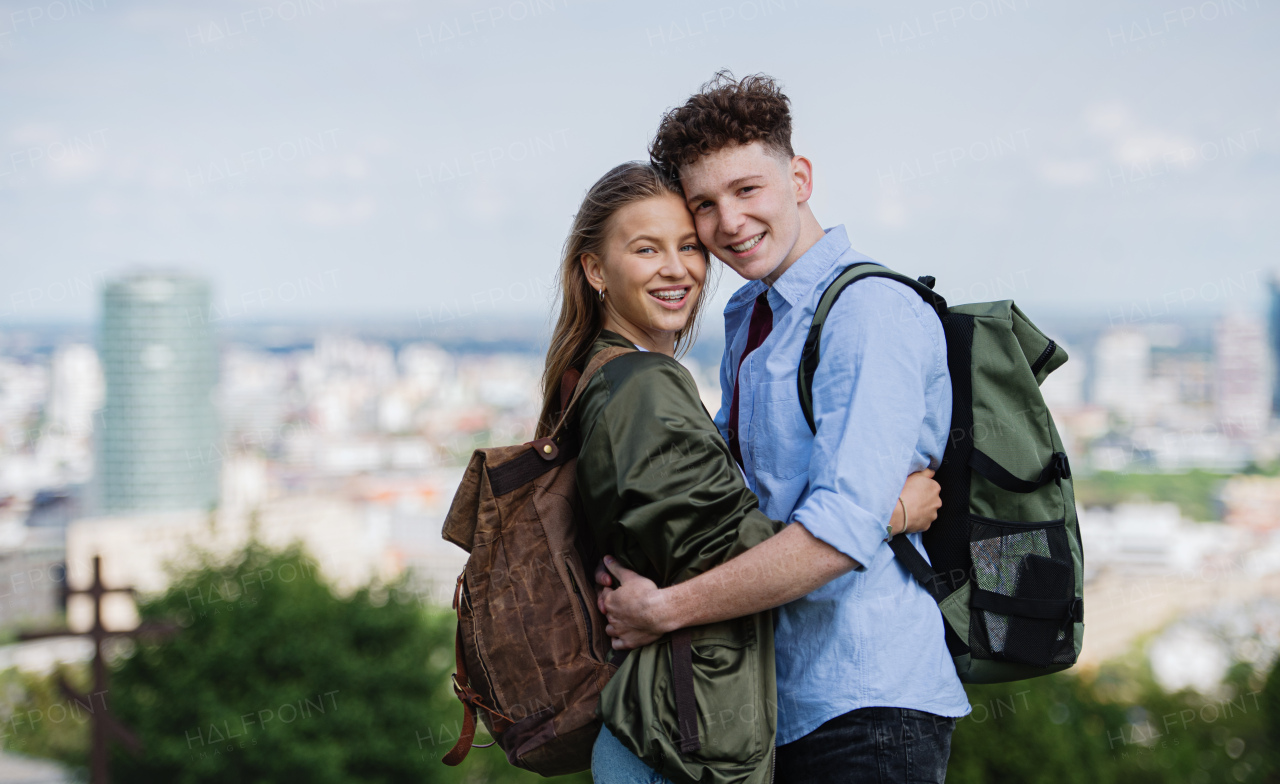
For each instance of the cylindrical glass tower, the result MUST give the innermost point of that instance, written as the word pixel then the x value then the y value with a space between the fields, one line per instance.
pixel 159 446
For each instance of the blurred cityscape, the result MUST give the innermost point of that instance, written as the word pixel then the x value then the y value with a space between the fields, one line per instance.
pixel 164 431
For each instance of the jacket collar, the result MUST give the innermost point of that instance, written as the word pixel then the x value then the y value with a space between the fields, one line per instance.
pixel 607 338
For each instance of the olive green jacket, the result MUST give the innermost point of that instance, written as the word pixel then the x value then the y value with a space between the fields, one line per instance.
pixel 664 496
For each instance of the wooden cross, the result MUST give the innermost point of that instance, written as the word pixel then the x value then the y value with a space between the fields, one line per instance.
pixel 105 726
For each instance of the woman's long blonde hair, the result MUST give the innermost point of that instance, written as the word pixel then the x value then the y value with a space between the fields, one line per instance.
pixel 581 311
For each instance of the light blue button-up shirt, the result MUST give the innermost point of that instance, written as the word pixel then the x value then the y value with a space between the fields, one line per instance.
pixel 882 403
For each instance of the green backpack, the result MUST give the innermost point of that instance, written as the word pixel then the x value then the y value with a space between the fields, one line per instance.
pixel 1005 558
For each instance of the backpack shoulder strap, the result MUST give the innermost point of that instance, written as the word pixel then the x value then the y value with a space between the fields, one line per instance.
pixel 914 562
pixel 579 386
pixel 905 552
pixel 544 453
pixel 810 356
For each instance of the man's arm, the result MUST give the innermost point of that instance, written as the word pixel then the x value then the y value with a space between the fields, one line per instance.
pixel 781 569
pixel 870 396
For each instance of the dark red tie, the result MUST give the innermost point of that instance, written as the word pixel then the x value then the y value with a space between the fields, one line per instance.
pixel 759 328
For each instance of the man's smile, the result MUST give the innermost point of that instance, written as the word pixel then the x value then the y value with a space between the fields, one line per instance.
pixel 742 248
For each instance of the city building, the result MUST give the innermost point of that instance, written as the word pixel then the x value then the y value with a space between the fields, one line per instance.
pixel 159 422
pixel 345 540
pixel 1122 372
pixel 31 574
pixel 1252 502
pixel 1242 375
pixel 1273 332
pixel 75 390
pixel 1145 537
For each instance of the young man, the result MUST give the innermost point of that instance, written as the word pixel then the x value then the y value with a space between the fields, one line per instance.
pixel 866 687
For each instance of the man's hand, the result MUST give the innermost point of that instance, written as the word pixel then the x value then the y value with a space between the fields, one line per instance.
pixel 631 609
pixel 922 497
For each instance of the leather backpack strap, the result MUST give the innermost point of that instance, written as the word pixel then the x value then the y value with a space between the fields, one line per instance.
pixel 545 453
pixel 568 382
pixel 682 683
pixel 597 362
pixel 469 697
pixel 466 738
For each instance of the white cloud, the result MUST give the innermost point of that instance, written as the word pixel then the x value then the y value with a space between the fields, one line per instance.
pixel 325 212
pixel 1129 142
pixel 891 212
pixel 1068 172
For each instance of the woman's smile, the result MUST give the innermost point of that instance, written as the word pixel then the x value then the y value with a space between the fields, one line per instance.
pixel 672 297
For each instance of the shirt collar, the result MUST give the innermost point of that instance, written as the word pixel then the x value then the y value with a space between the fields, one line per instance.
pixel 801 277
pixel 745 295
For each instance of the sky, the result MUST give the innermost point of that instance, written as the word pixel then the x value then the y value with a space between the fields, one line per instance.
pixel 321 159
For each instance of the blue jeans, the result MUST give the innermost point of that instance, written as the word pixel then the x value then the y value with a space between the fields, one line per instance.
pixel 612 763
pixel 871 745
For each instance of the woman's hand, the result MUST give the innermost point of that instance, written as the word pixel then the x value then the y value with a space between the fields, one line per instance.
pixel 922 497
pixel 632 609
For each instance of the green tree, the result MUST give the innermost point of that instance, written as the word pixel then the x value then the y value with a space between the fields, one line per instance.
pixel 274 679
pixel 38 720
pixel 1112 726
pixel 1195 492
pixel 1271 710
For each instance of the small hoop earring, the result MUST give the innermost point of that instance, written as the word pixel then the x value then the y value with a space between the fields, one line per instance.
pixel 602 295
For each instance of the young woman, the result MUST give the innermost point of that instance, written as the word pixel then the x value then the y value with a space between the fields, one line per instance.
pixel 660 489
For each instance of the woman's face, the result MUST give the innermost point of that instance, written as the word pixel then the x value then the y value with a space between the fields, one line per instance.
pixel 652 271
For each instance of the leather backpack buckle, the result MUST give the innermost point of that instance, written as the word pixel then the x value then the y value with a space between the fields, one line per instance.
pixel 546 448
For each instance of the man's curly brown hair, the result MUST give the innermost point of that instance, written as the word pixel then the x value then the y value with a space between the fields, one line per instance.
pixel 724 112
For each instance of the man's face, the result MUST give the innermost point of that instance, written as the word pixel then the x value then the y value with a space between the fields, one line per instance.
pixel 745 201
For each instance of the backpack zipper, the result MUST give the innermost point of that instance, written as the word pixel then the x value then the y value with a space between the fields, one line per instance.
pixel 465 599
pixel 582 602
pixel 1043 359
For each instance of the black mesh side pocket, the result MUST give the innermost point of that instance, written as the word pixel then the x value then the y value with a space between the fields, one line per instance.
pixel 1023 601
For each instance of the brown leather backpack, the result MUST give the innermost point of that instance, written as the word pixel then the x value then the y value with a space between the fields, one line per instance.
pixel 532 654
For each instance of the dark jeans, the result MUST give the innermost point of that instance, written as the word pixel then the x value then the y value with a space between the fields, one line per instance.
pixel 868 746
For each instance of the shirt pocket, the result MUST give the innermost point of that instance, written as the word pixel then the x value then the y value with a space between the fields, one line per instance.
pixel 778 431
